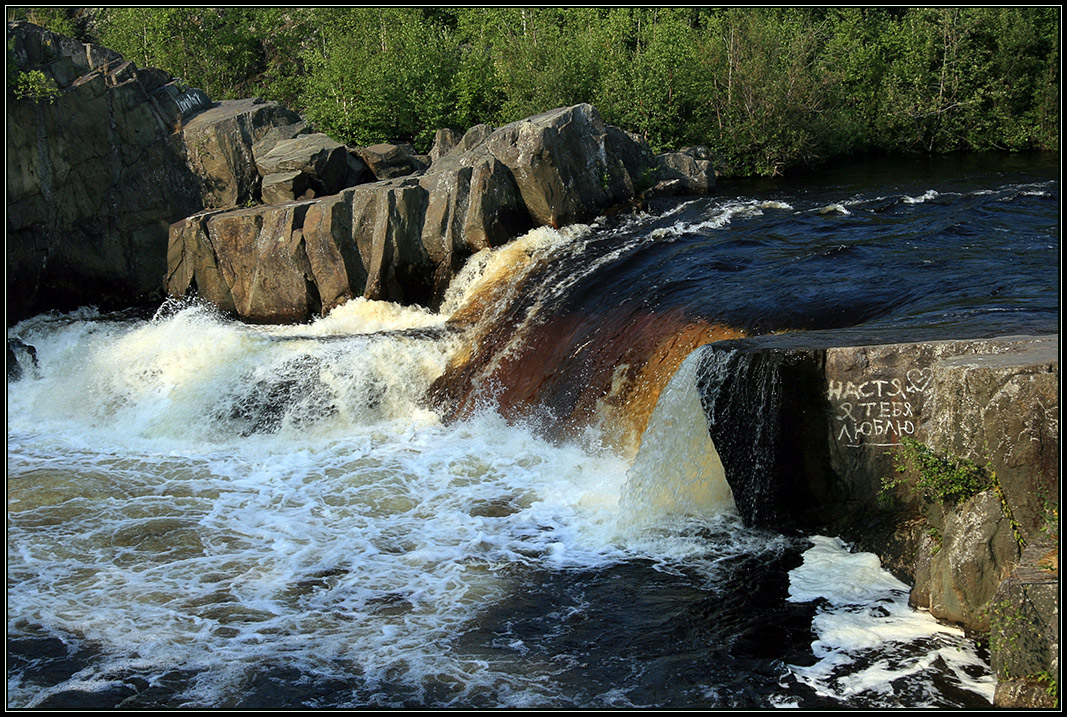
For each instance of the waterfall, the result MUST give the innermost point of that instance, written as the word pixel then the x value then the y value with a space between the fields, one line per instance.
pixel 564 490
pixel 677 470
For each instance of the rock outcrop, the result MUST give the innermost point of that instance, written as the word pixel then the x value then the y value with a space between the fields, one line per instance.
pixel 94 176
pixel 403 237
pixel 389 161
pixel 818 434
pixel 98 173
pixel 218 145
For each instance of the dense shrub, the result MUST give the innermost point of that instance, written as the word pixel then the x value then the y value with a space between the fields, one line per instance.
pixel 769 89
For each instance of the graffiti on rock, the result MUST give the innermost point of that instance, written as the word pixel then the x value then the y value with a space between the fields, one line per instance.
pixel 878 411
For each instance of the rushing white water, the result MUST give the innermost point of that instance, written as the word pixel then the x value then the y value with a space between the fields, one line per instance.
pixel 194 494
pixel 190 496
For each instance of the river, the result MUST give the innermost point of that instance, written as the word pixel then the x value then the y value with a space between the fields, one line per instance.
pixel 510 502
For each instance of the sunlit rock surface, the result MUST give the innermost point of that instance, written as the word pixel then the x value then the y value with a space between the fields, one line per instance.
pixel 415 228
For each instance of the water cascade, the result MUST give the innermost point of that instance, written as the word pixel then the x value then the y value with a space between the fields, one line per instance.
pixel 677 470
pixel 515 502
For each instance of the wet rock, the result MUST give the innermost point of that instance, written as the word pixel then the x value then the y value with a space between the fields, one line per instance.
pixel 194 265
pixel 387 226
pixel 472 203
pixel 236 261
pixel 812 432
pixel 19 356
pixel 338 268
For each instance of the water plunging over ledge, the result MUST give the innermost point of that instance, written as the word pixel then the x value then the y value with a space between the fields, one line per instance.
pixel 503 504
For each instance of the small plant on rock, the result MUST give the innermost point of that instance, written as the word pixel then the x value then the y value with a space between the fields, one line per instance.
pixel 942 478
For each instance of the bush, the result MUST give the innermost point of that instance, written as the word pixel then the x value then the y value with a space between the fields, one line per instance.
pixel 769 90
pixel 942 478
pixel 35 86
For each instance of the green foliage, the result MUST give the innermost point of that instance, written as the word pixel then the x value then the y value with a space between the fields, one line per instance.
pixel 61 20
pixel 36 86
pixel 1052 687
pixel 378 74
pixel 217 49
pixel 31 85
pixel 943 479
pixel 935 535
pixel 770 89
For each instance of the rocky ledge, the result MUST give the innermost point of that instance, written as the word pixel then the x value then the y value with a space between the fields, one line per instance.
pixel 404 236
pixel 942 457
pixel 273 221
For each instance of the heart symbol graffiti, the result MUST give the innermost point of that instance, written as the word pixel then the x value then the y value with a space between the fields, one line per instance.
pixel 919 379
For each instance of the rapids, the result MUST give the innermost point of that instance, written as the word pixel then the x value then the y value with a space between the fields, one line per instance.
pixel 510 502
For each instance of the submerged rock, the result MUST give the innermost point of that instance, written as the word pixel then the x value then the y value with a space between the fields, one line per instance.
pixel 19 354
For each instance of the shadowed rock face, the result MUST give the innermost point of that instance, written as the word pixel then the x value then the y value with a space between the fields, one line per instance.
pixel 95 177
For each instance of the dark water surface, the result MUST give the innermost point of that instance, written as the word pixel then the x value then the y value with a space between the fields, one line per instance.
pixel 964 246
pixel 207 514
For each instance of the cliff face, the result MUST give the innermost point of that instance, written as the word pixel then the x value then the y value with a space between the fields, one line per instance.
pixel 94 176
pixel 941 457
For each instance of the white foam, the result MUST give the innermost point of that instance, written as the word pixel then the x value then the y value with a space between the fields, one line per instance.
pixel 143 521
pixel 834 209
pixel 717 217
pixel 925 197
pixel 869 620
